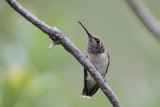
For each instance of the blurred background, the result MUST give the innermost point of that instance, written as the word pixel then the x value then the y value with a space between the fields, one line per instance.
pixel 33 76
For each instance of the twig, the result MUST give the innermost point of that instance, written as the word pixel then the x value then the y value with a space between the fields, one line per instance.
pixel 147 18
pixel 59 38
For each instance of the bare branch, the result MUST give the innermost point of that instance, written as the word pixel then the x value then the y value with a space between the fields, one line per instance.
pixel 147 18
pixel 57 36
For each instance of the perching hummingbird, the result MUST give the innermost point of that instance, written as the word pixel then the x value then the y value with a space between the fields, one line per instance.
pixel 99 57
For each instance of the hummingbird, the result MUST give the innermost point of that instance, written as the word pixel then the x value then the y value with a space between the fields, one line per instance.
pixel 99 57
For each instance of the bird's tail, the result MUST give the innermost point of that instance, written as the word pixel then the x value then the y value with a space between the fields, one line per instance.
pixel 89 93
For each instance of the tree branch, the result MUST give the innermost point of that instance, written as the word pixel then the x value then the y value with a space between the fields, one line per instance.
pixel 147 18
pixel 59 38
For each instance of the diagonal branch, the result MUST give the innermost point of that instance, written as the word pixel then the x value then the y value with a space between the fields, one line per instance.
pixel 147 18
pixel 59 38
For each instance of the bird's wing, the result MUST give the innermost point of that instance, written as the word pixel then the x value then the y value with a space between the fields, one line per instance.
pixel 108 62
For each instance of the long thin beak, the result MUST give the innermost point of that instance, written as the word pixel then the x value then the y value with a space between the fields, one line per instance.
pixel 89 35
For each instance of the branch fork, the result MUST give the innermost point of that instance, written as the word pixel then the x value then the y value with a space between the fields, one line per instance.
pixel 55 39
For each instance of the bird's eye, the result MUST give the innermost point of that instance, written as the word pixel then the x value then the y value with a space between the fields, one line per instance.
pixel 97 40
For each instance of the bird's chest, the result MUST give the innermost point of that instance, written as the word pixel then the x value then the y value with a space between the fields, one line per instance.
pixel 100 61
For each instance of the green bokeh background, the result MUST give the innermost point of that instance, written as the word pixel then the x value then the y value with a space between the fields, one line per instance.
pixel 33 76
